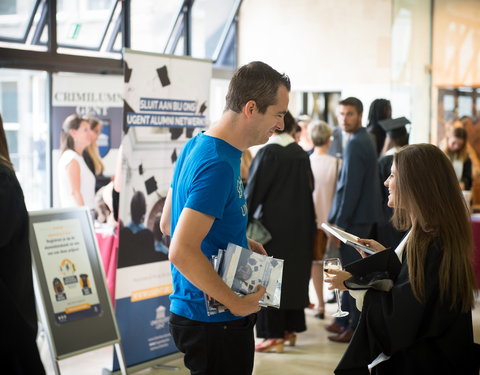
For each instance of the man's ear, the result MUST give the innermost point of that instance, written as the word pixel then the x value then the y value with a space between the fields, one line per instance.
pixel 249 108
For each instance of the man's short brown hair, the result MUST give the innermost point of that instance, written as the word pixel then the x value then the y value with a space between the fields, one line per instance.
pixel 255 81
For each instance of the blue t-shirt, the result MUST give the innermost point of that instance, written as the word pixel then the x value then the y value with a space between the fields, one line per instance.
pixel 207 179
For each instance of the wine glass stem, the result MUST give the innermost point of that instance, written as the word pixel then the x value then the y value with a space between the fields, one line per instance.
pixel 339 307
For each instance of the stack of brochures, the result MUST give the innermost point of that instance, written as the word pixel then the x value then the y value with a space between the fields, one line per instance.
pixel 243 270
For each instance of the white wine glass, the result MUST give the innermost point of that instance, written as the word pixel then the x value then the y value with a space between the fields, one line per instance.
pixel 334 264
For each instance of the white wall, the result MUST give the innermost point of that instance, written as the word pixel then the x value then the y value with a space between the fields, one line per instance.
pixel 364 48
pixel 323 45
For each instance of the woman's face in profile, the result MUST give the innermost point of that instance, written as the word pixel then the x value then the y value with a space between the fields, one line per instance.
pixel 455 144
pixel 390 183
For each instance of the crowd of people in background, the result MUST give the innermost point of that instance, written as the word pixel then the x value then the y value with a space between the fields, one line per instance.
pixel 352 168
pixel 308 172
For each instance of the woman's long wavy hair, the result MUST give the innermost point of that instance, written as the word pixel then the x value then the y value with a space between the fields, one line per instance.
pixel 92 149
pixel 428 199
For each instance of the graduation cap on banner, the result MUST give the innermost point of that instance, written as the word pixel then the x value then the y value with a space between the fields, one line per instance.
pixel 395 127
pixel 127 73
pixel 163 76
pixel 150 184
pixel 189 132
pixel 175 133
pixel 174 156
pixel 203 107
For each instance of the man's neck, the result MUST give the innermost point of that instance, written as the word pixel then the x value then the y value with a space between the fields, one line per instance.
pixel 353 132
pixel 229 130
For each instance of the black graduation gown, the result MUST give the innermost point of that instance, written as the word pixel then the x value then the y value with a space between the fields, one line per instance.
pixel 281 180
pixel 18 318
pixel 387 235
pixel 467 174
pixel 421 338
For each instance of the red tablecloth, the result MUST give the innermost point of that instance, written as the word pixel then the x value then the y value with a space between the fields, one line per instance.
pixel 476 247
pixel 108 246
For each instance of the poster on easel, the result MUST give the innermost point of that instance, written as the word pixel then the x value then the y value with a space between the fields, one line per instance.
pixel 165 104
pixel 70 288
pixel 73 292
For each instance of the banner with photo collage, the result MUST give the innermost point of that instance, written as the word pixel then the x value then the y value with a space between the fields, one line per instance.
pixel 165 104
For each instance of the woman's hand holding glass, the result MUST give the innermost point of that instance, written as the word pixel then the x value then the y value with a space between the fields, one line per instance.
pixel 333 268
pixel 336 279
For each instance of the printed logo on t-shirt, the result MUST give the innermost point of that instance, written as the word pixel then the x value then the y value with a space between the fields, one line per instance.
pixel 244 209
pixel 240 187
pixel 240 196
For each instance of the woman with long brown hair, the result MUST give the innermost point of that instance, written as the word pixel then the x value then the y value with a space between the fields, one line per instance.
pixel 455 146
pixel 76 181
pixel 18 318
pixel 92 156
pixel 423 324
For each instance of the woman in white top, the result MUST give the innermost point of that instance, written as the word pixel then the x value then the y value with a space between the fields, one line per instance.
pixel 76 181
pixel 325 171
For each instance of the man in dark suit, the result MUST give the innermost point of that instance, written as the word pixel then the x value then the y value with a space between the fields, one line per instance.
pixel 357 203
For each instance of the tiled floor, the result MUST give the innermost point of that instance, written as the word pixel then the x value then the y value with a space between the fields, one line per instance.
pixel 313 354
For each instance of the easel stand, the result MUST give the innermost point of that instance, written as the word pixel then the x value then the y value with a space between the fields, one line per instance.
pixel 157 363
pixel 65 258
pixel 55 360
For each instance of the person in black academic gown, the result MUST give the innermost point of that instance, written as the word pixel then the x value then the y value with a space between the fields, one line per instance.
pixel 380 109
pixel 18 317
pixel 281 182
pixel 397 137
pixel 423 324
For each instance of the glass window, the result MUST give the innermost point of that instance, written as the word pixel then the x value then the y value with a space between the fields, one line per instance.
pixel 99 4
pixel 82 23
pixel 465 105
pixel 152 22
pixel 228 55
pixel 117 45
pixel 209 18
pixel 23 105
pixel 14 17
pixel 9 102
pixel 12 141
pixel 448 102
pixel 180 48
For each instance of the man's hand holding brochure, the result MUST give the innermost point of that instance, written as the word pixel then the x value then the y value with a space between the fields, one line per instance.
pixel 243 270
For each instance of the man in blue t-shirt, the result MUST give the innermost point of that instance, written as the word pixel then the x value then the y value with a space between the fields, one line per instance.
pixel 205 209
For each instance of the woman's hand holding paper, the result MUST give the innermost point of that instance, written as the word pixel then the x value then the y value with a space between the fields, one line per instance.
pixel 374 245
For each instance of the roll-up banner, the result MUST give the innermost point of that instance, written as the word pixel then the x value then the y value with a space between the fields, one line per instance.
pixel 165 104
